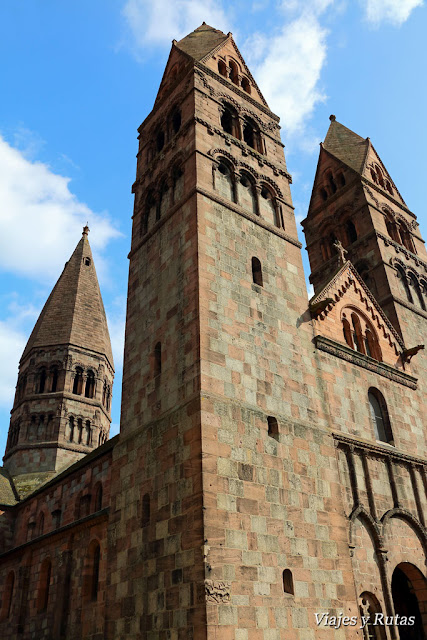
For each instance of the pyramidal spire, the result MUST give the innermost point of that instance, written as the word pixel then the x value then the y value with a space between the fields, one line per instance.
pixel 62 406
pixel 74 312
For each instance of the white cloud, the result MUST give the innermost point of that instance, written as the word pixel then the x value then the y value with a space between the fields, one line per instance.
pixel 12 343
pixel 38 216
pixel 288 67
pixel 157 23
pixel 395 12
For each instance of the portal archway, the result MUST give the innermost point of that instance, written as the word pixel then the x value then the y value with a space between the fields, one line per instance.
pixel 409 591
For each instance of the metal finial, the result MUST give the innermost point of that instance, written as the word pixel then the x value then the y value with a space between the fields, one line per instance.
pixel 85 230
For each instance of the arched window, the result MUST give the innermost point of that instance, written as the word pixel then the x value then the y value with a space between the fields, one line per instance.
pixel 163 204
pixel 325 249
pixel 273 427
pixel 389 187
pixel 360 335
pixel 87 433
pixel 332 183
pixel 369 607
pixel 71 429
pixel 234 72
pixel 405 236
pixel 374 176
pixel 178 184
pixel 222 68
pixel 392 228
pixel 158 359
pixel 251 135
pixel 160 140
pixel 44 585
pixel 416 291
pixel 267 207
pixel 90 384
pixel 7 596
pixel 42 380
pixel 257 272
pixel 288 582
pixel 247 193
pixel 246 85
pixel 40 525
pixel 79 430
pixel 380 178
pixel 176 120
pixel 104 393
pixel 145 518
pixel 324 194
pixel 98 498
pixel 224 182
pixel 357 333
pixel 404 286
pixel 351 231
pixel 91 577
pixel 341 179
pixel 108 398
pixel 347 333
pixel 78 381
pixel 230 121
pixel 379 416
pixel 54 379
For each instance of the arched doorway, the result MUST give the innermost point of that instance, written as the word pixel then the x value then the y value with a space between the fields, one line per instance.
pixel 409 591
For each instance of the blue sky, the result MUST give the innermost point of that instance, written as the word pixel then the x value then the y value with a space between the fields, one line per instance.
pixel 78 78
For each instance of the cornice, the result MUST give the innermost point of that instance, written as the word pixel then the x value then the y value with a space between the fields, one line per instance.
pixel 246 149
pixel 226 203
pixel 400 249
pixel 387 451
pixel 359 359
pixel 82 523
pixel 404 303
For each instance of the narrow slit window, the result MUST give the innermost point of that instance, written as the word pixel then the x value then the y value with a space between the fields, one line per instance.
pixel 273 427
pixel 257 272
pixel 158 359
pixel 288 582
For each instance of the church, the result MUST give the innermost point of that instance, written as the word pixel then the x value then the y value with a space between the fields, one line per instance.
pixel 269 478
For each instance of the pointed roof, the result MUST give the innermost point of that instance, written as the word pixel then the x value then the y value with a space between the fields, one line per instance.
pixel 346 145
pixel 74 312
pixel 200 42
pixel 348 272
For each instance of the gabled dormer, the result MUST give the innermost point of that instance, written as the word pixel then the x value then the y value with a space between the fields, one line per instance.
pixel 349 323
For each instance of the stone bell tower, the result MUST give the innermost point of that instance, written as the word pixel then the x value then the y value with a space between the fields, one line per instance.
pixel 61 410
pixel 215 503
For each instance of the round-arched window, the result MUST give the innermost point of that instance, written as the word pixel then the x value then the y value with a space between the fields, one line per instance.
pixel 379 416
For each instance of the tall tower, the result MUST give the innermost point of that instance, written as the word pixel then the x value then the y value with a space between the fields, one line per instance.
pixel 369 270
pixel 219 499
pixel 61 410
pixel 355 200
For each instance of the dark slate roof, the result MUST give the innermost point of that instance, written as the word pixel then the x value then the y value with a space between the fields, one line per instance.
pixel 7 492
pixel 74 312
pixel 346 145
pixel 201 41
